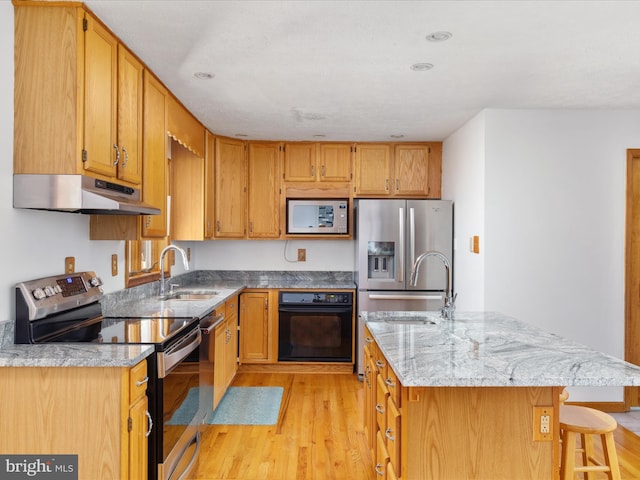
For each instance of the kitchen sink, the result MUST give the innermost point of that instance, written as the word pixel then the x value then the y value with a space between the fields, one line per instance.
pixel 410 320
pixel 191 295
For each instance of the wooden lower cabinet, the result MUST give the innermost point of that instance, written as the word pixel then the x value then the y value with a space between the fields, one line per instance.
pixel 258 318
pixel 226 350
pixel 448 433
pixel 97 413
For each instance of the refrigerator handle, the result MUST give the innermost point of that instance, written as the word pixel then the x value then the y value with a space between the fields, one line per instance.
pixel 400 260
pixel 412 236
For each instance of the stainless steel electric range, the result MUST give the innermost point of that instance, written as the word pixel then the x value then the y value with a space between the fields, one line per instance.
pixel 66 308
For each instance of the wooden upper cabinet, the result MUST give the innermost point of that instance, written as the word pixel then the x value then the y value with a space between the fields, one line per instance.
pixel 411 166
pixel 373 174
pixel 130 114
pixel 155 156
pixel 334 162
pixel 400 170
pixel 300 162
pixel 263 190
pixel 209 185
pixel 230 188
pixel 66 96
pixel 101 153
pixel 187 194
pixel 317 162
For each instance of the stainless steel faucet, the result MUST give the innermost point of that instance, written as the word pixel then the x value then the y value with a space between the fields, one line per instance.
pixel 185 262
pixel 450 299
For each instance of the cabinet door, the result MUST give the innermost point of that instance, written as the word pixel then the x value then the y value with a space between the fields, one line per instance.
pixel 263 193
pixel 254 327
pixel 101 152
pixel 411 165
pixel 300 162
pixel 393 435
pixel 219 385
pixel 372 169
pixel 370 383
pixel 230 190
pixel 129 116
pixel 209 185
pixel 154 173
pixel 231 352
pixel 335 162
pixel 138 441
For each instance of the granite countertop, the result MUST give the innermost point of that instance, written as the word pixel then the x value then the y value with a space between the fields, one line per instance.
pixel 143 301
pixel 488 349
pixel 67 354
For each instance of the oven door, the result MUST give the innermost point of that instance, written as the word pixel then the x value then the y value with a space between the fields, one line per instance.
pixel 315 333
pixel 178 407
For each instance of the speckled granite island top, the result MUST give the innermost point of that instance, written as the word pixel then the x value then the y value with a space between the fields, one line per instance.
pixel 488 349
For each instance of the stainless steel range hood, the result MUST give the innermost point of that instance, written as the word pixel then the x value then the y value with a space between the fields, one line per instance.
pixel 77 194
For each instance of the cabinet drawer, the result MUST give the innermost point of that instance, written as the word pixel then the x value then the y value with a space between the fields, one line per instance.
pixel 231 307
pixel 382 457
pixel 393 434
pixel 138 381
pixel 382 394
pixel 391 381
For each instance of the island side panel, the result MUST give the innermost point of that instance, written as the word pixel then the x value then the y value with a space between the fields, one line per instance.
pixel 481 433
pixel 69 410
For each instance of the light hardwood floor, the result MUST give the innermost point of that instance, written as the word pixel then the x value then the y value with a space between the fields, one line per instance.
pixel 318 436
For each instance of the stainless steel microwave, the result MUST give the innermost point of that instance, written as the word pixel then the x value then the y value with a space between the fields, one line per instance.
pixel 318 216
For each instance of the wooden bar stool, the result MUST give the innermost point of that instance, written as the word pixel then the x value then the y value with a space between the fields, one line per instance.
pixel 586 422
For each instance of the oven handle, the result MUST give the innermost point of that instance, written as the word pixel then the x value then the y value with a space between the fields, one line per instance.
pixel 315 309
pixel 195 439
pixel 169 359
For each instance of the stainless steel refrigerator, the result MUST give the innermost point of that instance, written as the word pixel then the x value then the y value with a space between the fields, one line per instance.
pixel 390 235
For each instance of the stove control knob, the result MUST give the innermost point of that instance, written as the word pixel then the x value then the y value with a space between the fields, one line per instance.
pixel 57 289
pixel 95 282
pixel 49 291
pixel 39 294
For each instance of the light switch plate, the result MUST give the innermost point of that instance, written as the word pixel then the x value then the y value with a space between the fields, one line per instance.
pixel 114 265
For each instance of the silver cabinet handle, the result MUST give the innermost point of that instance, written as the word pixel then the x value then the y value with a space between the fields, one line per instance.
pixel 380 364
pixel 150 423
pixel 390 382
pixel 115 162
pixel 139 383
pixel 379 469
pixel 379 408
pixel 387 433
pixel 368 339
pixel 126 157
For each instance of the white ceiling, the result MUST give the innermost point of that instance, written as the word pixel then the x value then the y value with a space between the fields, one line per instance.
pixel 340 70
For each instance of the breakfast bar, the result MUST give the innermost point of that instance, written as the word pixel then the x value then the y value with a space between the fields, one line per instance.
pixel 464 398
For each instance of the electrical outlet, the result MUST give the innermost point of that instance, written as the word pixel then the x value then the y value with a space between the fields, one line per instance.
pixel 302 254
pixel 114 265
pixel 69 264
pixel 542 424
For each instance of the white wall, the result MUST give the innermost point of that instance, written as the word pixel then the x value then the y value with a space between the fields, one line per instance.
pixel 34 243
pixel 554 205
pixel 463 181
pixel 328 255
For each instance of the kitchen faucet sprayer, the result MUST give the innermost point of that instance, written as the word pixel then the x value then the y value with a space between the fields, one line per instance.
pixel 185 262
pixel 449 299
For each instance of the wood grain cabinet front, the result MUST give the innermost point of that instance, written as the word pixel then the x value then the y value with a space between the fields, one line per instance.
pixel 98 413
pixel 257 326
pixel 78 101
pixel 317 162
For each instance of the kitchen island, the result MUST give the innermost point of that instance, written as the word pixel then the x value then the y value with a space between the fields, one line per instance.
pixel 463 398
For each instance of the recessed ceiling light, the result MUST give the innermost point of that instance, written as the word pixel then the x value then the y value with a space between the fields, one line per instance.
pixel 421 67
pixel 397 136
pixel 203 75
pixel 319 135
pixel 439 36
pixel 241 135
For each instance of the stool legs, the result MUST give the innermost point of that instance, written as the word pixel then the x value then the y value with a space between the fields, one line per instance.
pixel 610 455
